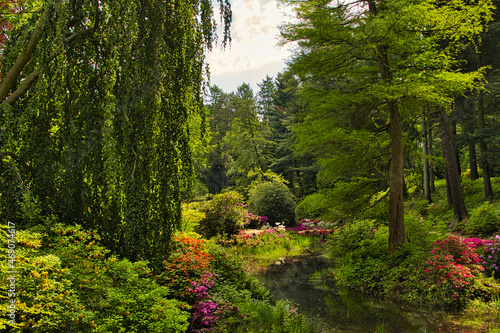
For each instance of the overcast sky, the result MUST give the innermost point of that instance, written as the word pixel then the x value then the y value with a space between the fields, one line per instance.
pixel 254 50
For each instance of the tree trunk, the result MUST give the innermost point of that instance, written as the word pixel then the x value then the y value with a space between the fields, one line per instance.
pixel 457 155
pixel 425 152
pixel 447 186
pixel 453 176
pixel 485 167
pixel 396 216
pixel 473 161
pixel 488 190
pixel 430 150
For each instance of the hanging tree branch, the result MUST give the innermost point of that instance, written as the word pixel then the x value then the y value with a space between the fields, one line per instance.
pixel 22 60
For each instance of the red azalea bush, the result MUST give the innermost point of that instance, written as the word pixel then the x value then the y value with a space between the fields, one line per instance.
pixel 453 266
pixel 190 277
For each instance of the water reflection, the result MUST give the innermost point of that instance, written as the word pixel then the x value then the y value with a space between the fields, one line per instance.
pixel 339 310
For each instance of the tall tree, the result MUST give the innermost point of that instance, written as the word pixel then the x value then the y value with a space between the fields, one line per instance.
pixel 96 101
pixel 385 53
pixel 425 153
pixel 220 118
pixel 452 171
pixel 248 138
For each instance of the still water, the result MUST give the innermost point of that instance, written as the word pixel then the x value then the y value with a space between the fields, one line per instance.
pixel 334 309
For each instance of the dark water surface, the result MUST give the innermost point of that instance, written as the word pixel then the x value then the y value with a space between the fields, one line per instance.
pixel 338 310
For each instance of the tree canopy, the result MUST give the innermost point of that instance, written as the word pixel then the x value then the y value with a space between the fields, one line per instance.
pixel 366 63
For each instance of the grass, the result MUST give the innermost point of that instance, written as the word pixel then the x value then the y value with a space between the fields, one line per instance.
pixel 260 257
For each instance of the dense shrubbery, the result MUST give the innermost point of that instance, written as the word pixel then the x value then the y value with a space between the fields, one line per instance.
pixel 426 269
pixel 274 200
pixel 313 206
pixel 64 282
pixel 490 257
pixel 224 214
pixel 483 221
pixel 67 282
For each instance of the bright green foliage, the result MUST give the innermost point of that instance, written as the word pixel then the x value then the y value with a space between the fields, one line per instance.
pixel 274 200
pixel 233 278
pixel 313 206
pixel 191 216
pixel 63 282
pixel 224 215
pixel 483 221
pixel 361 61
pixel 101 136
pixel 426 269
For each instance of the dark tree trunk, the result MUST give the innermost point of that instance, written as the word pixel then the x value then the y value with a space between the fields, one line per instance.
pixel 427 184
pixel 457 155
pixel 453 176
pixel 396 216
pixel 473 161
pixel 430 150
pixel 449 199
pixel 485 167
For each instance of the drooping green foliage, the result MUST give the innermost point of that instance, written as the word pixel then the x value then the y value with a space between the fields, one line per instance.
pixel 95 122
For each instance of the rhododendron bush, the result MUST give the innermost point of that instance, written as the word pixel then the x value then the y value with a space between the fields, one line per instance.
pixel 452 267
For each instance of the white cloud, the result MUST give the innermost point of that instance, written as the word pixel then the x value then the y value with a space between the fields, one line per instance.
pixel 254 46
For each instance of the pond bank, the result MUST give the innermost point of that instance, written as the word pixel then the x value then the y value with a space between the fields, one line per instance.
pixel 331 308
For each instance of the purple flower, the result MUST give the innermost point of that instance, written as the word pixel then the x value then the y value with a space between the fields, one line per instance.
pixel 490 257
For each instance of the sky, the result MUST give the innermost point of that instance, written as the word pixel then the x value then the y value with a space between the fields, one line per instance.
pixel 254 51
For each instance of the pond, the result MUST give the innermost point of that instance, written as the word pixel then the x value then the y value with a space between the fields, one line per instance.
pixel 331 308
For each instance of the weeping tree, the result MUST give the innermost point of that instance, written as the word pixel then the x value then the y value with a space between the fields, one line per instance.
pixel 96 101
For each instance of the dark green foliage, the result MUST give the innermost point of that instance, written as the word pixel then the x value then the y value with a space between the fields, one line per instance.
pixel 313 206
pixel 224 215
pixel 274 200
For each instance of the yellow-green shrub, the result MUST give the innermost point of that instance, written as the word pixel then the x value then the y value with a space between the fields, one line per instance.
pixel 64 282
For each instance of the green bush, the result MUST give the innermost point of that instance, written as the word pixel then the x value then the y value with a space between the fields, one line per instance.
pixel 313 206
pixel 65 283
pixel 224 215
pixel 484 221
pixel 274 200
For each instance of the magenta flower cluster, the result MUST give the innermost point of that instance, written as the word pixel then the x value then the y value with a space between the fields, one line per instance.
pixel 207 312
pixel 490 259
pixel 453 266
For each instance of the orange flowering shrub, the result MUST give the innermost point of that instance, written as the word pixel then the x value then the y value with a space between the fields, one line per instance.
pixel 189 263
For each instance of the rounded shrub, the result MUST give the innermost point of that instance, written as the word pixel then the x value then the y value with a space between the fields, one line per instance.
pixel 274 200
pixel 224 215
